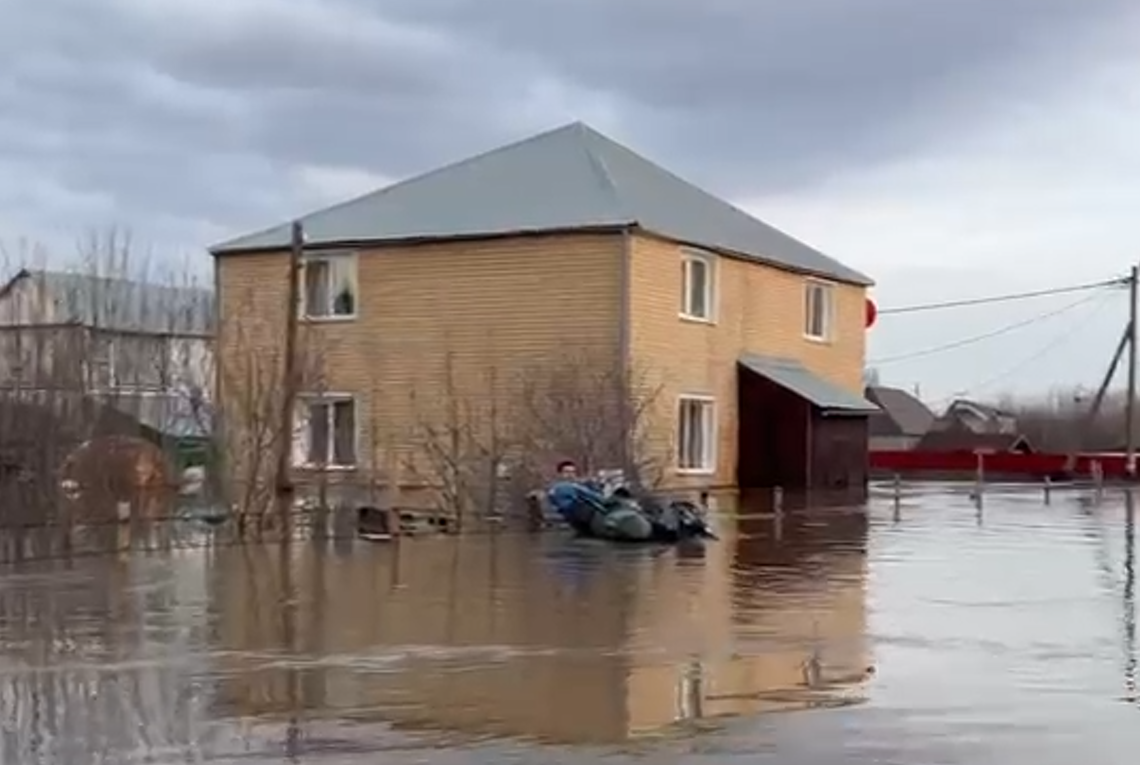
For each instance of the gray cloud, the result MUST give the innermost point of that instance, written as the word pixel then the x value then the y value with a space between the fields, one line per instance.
pixel 188 117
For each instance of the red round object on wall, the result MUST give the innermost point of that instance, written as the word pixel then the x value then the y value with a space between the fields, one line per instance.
pixel 872 313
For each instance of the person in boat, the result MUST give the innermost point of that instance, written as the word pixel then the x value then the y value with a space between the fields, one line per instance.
pixel 572 497
pixel 586 507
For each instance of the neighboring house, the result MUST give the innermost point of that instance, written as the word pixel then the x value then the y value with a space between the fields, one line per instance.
pixel 562 247
pixel 902 420
pixel 977 418
pixel 144 349
pixel 959 438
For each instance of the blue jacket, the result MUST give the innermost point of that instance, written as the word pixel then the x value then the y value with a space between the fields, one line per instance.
pixel 565 495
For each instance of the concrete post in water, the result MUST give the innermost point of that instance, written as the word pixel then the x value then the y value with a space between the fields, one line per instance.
pixel 1048 488
pixel 778 500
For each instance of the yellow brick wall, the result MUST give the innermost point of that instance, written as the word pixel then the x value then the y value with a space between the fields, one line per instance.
pixel 501 304
pixel 759 310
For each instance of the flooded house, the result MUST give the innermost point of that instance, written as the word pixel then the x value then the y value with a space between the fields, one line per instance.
pixel 86 356
pixel 653 324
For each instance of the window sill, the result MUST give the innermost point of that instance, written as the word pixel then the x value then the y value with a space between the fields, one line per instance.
pixel 312 466
pixel 696 319
pixel 695 471
pixel 334 319
pixel 817 340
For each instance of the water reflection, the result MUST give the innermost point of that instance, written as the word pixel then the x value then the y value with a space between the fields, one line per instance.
pixel 100 660
pixel 263 648
pixel 550 639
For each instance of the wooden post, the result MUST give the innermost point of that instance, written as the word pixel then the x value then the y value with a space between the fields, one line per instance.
pixel 284 480
pixel 1048 487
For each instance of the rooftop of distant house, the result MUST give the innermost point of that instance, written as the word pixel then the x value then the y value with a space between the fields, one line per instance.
pixel 114 303
pixel 901 413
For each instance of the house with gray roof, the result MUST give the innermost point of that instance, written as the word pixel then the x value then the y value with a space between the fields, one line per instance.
pixel 902 420
pixel 561 252
pixel 143 348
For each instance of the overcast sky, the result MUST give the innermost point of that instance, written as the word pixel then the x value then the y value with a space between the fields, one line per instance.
pixel 949 149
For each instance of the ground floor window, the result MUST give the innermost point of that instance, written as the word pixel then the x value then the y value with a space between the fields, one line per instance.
pixel 326 431
pixel 696 434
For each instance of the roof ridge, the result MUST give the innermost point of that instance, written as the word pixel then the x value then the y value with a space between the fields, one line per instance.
pixel 601 168
pixel 404 183
pixel 701 189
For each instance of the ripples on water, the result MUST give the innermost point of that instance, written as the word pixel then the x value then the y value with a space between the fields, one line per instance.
pixel 937 635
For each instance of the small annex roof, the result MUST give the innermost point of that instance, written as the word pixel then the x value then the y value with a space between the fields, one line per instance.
pixel 798 379
pixel 572 177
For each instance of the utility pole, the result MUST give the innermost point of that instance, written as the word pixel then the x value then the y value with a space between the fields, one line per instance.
pixel 1127 342
pixel 1130 402
pixel 284 482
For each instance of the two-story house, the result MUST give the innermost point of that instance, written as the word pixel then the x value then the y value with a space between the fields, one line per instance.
pixel 140 348
pixel 562 251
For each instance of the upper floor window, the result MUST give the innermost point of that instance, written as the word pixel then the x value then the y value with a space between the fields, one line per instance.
pixel 330 289
pixel 819 310
pixel 697 293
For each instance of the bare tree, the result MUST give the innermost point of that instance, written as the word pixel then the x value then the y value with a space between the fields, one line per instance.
pixel 486 439
pixel 1060 420
pixel 249 422
pixel 85 353
pixel 600 415
pixel 461 443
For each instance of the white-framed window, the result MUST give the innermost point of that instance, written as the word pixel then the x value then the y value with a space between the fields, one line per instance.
pixel 326 431
pixel 819 310
pixel 101 361
pixel 329 286
pixel 696 434
pixel 698 282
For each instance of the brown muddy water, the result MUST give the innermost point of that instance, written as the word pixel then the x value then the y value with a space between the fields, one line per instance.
pixel 934 635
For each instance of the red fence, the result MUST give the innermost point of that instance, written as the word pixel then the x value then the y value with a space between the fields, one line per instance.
pixel 1003 463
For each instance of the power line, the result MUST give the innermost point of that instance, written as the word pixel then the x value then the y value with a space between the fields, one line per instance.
pixel 1007 298
pixel 986 336
pixel 1056 341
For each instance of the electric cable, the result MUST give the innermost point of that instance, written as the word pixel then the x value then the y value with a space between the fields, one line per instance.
pixel 985 336
pixel 1007 298
pixel 1057 340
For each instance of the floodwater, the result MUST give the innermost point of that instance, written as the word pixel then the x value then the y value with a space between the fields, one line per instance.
pixel 930 634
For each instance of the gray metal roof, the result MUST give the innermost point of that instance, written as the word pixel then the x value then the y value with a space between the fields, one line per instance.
pixel 568 178
pixel 121 304
pixel 903 414
pixel 795 377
